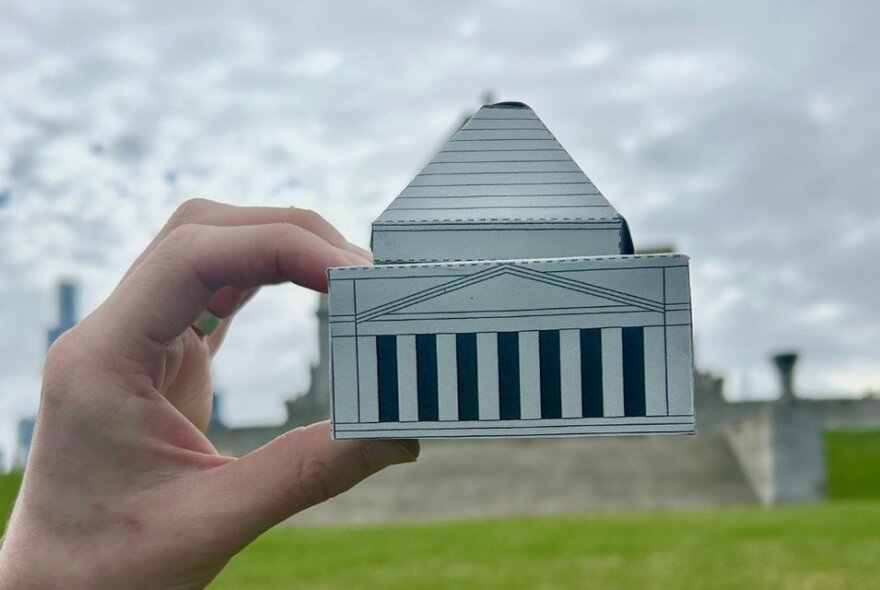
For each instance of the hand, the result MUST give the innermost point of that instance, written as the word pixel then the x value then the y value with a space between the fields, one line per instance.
pixel 122 488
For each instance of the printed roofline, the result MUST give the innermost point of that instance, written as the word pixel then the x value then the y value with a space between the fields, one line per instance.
pixel 507 220
pixel 626 258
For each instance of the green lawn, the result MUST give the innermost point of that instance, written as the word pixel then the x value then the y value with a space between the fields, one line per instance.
pixel 835 545
pixel 853 463
pixel 831 546
pixel 9 483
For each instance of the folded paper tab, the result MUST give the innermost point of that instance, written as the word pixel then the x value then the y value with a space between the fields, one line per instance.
pixel 506 302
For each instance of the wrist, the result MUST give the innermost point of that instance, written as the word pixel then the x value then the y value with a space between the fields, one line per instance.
pixel 22 569
pixel 9 578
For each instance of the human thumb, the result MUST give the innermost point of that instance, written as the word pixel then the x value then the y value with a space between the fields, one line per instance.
pixel 297 470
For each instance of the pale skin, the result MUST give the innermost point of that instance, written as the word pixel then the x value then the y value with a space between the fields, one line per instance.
pixel 122 487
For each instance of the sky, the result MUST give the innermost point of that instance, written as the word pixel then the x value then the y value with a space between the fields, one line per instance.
pixel 744 133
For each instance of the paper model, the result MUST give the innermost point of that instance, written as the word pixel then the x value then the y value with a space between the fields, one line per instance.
pixel 506 302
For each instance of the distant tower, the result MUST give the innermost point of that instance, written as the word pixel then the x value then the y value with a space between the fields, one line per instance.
pixel 320 387
pixel 216 413
pixel 67 291
pixel 785 365
pixel 314 404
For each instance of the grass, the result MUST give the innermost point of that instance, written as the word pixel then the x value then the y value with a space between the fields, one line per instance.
pixel 853 462
pixel 9 484
pixel 835 545
pixel 823 546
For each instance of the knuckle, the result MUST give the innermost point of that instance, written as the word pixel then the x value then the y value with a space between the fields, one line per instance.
pixel 181 238
pixel 309 217
pixel 287 238
pixel 64 352
pixel 188 212
pixel 178 247
pixel 66 358
pixel 317 482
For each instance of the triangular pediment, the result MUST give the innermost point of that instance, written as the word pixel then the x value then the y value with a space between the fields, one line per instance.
pixel 511 289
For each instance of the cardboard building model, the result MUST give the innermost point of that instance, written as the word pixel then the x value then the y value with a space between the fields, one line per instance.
pixel 506 301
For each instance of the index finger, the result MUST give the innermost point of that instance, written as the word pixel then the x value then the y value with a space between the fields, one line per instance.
pixel 162 296
pixel 207 212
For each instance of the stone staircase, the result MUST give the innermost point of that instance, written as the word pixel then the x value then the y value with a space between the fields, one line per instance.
pixel 461 479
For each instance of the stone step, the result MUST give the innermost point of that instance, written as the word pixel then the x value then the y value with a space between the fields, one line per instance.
pixel 461 479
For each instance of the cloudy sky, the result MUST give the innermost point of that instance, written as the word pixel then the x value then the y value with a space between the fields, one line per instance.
pixel 744 133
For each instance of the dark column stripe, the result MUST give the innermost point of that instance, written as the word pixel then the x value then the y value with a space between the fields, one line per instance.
pixel 426 377
pixel 466 365
pixel 386 373
pixel 633 371
pixel 591 372
pixel 551 380
pixel 508 375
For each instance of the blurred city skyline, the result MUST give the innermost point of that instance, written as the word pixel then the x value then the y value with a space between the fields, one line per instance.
pixel 745 134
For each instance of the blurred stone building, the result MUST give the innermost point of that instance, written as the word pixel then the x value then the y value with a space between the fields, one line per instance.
pixel 311 406
pixel 765 452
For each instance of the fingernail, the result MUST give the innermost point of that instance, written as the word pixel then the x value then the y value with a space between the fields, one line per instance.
pixel 383 453
pixel 355 259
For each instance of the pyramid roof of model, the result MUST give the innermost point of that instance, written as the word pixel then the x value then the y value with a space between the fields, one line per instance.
pixel 502 165
pixel 501 188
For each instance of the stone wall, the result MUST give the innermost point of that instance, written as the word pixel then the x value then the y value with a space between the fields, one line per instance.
pixel 486 478
pixel 743 453
pixel 779 448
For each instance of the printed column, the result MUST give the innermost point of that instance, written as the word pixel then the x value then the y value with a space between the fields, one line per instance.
pixel 487 372
pixel 655 371
pixel 612 372
pixel 447 377
pixel 570 369
pixel 368 379
pixel 407 383
pixel 529 376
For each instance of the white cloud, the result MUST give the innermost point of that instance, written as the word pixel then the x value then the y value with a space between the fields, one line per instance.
pixel 468 28
pixel 708 131
pixel 316 63
pixel 823 109
pixel 701 71
pixel 591 55
pixel 825 313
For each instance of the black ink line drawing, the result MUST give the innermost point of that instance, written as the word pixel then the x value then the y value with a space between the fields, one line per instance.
pixel 505 302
